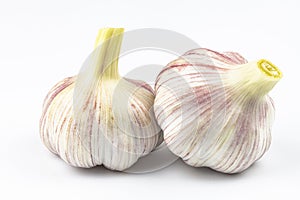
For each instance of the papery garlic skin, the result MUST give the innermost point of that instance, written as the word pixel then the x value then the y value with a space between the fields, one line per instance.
pixel 214 109
pixel 98 117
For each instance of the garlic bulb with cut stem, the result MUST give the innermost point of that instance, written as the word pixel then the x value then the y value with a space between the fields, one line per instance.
pixel 214 109
pixel 98 117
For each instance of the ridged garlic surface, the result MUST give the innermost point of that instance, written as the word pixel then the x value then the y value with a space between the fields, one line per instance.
pixel 98 117
pixel 214 109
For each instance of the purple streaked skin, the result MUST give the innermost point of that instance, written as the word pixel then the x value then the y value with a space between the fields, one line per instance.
pixel 202 74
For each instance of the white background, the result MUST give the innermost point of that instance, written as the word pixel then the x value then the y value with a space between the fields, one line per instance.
pixel 42 42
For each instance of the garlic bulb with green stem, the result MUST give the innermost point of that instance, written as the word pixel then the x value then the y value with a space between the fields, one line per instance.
pixel 98 117
pixel 214 108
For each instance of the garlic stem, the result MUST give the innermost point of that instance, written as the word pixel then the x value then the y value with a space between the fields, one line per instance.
pixel 256 78
pixel 108 45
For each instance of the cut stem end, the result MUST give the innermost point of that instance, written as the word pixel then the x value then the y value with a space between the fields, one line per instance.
pixel 269 69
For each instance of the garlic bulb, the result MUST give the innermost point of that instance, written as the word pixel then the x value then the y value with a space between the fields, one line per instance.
pixel 97 117
pixel 214 109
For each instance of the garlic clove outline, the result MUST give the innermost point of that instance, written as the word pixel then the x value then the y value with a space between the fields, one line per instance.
pixel 98 117
pixel 214 108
